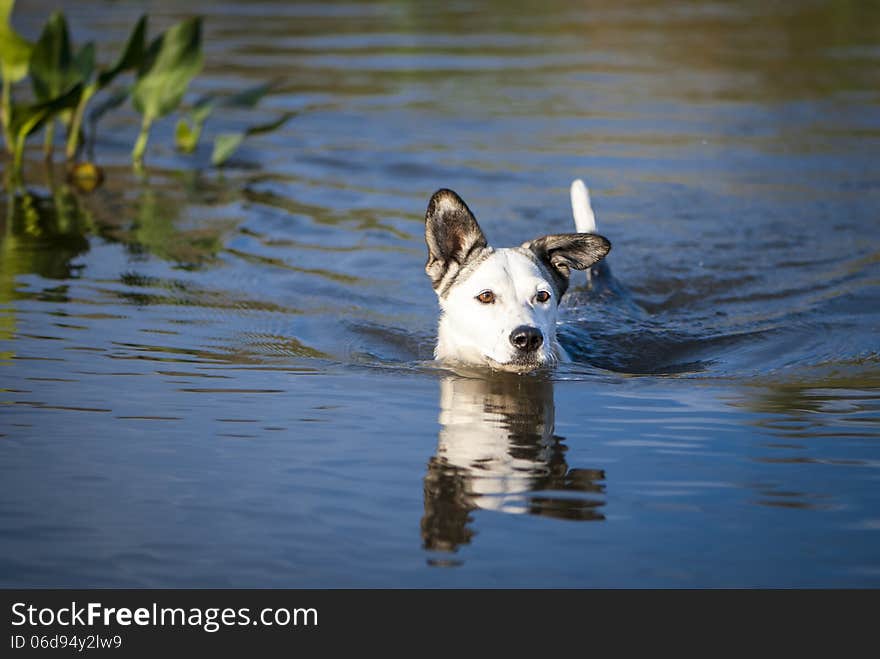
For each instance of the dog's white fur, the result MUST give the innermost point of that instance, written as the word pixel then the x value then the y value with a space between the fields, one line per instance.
pixel 584 217
pixel 472 333
pixel 463 266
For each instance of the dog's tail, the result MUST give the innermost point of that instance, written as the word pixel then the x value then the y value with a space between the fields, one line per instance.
pixel 585 222
pixel 584 218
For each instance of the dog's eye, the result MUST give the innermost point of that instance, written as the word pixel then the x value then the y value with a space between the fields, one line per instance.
pixel 542 296
pixel 486 297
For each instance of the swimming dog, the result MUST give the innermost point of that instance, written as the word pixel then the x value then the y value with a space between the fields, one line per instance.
pixel 499 306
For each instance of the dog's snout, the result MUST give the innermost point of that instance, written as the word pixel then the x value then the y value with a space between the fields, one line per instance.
pixel 526 338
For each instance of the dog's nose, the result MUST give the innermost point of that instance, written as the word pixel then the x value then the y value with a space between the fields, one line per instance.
pixel 526 338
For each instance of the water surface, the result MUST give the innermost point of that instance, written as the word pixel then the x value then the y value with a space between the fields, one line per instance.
pixel 225 378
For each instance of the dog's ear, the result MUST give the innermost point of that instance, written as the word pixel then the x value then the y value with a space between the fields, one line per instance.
pixel 565 251
pixel 452 234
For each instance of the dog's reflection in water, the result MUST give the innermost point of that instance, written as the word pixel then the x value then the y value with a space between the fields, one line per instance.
pixel 497 451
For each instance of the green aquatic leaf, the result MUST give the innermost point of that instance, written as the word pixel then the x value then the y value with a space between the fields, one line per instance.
pixel 15 56
pixel 186 138
pixel 53 67
pixel 171 62
pixel 15 52
pixel 168 66
pixel 189 130
pixel 226 144
pixel 28 118
pixel 84 61
pixel 132 56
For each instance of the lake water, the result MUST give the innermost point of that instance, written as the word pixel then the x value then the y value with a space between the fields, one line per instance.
pixel 225 378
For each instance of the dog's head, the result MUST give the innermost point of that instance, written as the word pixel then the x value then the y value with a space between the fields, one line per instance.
pixel 499 306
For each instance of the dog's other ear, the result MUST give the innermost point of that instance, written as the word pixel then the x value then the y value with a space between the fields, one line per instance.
pixel 452 234
pixel 565 251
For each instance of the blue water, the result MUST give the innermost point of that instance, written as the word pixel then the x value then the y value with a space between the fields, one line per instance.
pixel 225 377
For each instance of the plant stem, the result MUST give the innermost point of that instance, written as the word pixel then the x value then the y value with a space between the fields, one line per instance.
pixel 76 123
pixel 137 154
pixel 18 156
pixel 5 111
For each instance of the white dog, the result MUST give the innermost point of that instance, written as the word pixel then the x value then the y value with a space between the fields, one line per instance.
pixel 499 306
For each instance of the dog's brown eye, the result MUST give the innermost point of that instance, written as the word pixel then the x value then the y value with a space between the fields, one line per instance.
pixel 486 297
pixel 542 296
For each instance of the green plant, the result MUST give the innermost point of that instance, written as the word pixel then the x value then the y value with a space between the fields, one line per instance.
pixel 55 69
pixel 131 58
pixel 15 53
pixel 169 65
pixel 189 129
pixel 26 119
pixel 64 81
